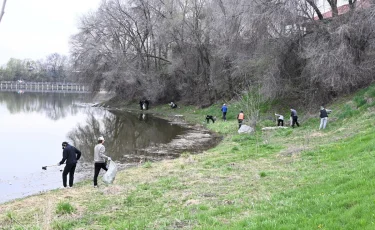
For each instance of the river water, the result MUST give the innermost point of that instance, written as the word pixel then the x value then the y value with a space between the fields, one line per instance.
pixel 33 126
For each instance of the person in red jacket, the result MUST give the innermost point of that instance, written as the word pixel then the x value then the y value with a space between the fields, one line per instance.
pixel 240 118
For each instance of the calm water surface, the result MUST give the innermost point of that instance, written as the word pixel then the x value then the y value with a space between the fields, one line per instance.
pixel 33 125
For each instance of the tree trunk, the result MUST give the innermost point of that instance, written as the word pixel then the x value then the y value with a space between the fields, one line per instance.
pixel 352 4
pixel 316 9
pixel 3 10
pixel 333 4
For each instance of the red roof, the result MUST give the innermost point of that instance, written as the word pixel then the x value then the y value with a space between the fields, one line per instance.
pixel 345 8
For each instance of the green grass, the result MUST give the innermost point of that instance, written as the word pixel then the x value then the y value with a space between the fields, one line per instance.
pixel 298 178
pixel 64 208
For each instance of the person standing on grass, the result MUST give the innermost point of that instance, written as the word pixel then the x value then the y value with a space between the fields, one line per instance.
pixel 280 119
pixel 323 117
pixel 293 115
pixel 99 158
pixel 71 155
pixel 224 110
pixel 240 118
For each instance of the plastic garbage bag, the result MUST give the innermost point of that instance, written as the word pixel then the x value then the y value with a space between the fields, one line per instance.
pixel 110 175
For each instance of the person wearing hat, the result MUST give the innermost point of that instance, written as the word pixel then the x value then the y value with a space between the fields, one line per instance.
pixel 99 158
pixel 71 155
pixel 224 109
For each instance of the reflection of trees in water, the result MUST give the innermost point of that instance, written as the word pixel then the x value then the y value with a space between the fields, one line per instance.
pixel 124 133
pixel 53 105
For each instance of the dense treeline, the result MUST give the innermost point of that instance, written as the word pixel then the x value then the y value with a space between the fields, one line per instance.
pixel 54 68
pixel 200 51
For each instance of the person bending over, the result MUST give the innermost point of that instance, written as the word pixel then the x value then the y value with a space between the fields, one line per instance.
pixel 99 158
pixel 71 155
pixel 280 119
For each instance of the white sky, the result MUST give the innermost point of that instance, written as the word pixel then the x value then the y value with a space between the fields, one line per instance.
pixel 36 28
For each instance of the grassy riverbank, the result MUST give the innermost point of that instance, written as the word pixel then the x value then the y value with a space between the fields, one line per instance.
pixel 299 178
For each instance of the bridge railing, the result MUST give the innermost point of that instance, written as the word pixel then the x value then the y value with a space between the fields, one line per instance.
pixel 42 86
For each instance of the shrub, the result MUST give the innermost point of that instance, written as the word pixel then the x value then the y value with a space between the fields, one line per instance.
pixel 359 101
pixel 147 165
pixel 64 208
pixel 347 112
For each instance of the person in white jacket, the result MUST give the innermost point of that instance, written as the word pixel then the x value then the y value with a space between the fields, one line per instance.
pixel 280 119
pixel 99 158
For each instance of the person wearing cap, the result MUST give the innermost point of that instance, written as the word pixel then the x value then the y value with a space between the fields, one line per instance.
pixel 224 110
pixel 99 158
pixel 240 118
pixel 71 155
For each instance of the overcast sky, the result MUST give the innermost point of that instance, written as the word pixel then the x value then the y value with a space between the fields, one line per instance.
pixel 36 28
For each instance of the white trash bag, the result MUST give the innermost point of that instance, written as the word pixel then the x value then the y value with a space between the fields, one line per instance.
pixel 110 175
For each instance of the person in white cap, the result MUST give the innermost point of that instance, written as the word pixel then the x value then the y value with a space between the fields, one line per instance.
pixel 99 158
pixel 224 110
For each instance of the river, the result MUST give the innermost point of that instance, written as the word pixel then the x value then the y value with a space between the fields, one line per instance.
pixel 33 126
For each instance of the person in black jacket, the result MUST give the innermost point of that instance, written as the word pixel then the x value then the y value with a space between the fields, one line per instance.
pixel 71 155
pixel 323 117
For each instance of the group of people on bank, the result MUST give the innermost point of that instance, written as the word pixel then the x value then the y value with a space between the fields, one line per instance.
pixel 71 155
pixel 280 118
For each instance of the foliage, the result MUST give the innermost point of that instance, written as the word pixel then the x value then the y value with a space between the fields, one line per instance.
pixel 54 68
pixel 64 208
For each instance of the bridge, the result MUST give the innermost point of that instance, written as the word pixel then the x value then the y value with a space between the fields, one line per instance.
pixel 44 86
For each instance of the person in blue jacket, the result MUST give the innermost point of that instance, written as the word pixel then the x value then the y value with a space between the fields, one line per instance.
pixel 224 109
pixel 71 155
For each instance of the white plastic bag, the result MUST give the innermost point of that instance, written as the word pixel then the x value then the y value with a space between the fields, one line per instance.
pixel 110 175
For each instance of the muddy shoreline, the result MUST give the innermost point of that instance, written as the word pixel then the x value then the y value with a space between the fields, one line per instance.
pixel 194 141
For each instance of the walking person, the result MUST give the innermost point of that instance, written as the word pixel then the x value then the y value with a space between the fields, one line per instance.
pixel 293 115
pixel 71 155
pixel 147 103
pixel 240 118
pixel 99 158
pixel 323 117
pixel 224 110
pixel 280 119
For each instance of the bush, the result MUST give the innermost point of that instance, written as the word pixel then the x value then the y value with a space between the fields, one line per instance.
pixel 64 208
pixel 359 101
pixel 347 112
pixel 147 165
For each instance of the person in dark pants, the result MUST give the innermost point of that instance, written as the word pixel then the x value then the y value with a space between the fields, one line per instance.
pixel 293 115
pixel 71 155
pixel 99 158
pixel 240 118
pixel 224 109
pixel 280 119
pixel 210 117
pixel 147 103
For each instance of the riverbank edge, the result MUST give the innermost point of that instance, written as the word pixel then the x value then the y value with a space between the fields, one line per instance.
pixel 162 112
pixel 247 182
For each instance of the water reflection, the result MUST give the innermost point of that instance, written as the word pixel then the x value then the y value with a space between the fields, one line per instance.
pixel 33 125
pixel 53 105
pixel 126 134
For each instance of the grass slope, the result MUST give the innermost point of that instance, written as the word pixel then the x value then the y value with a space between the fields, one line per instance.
pixel 299 178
